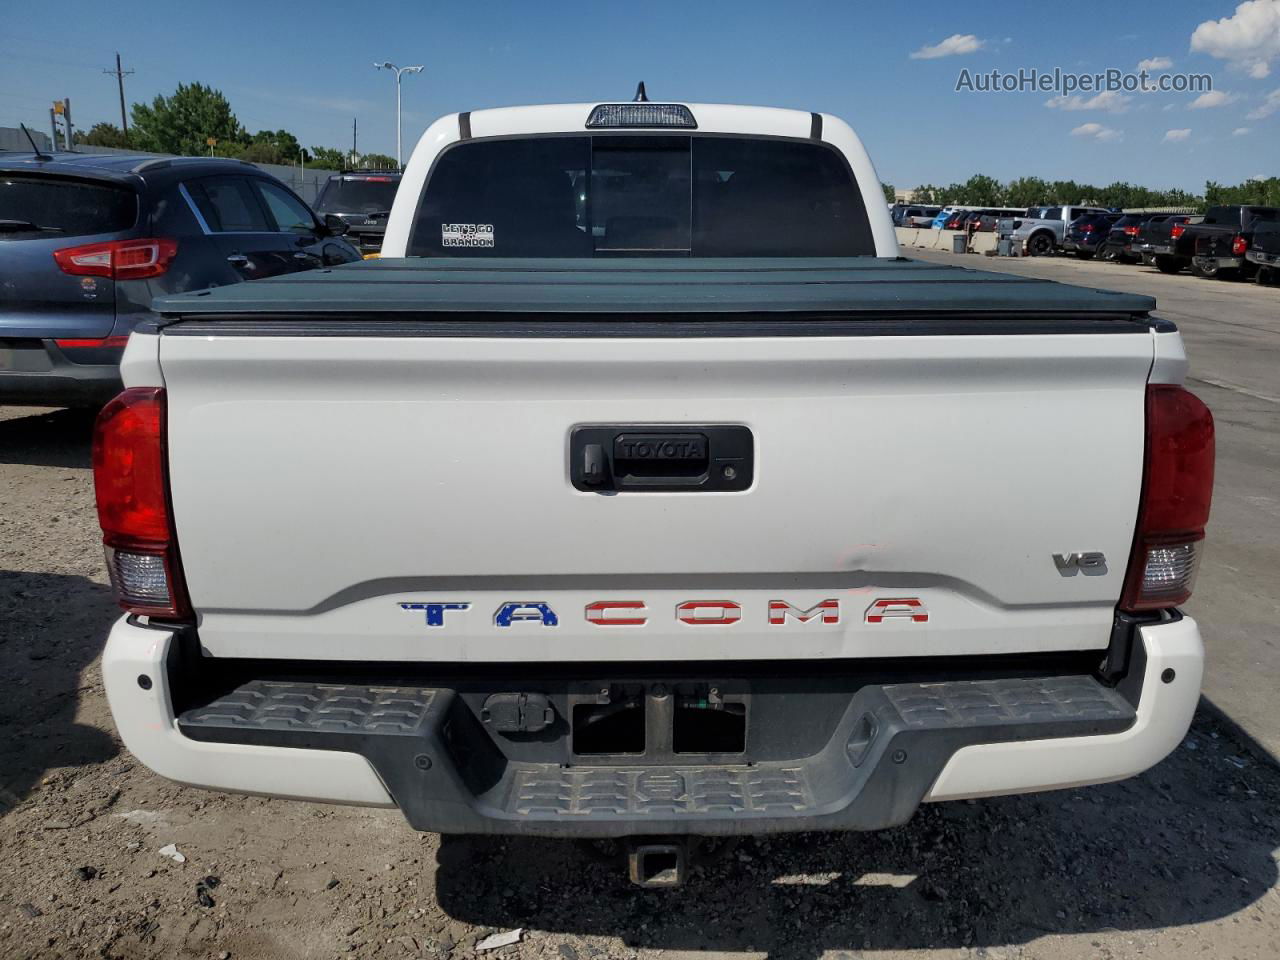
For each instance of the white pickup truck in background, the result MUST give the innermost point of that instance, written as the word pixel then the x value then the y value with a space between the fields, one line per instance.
pixel 642 490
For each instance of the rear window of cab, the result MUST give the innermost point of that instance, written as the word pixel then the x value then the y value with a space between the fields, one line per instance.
pixel 646 195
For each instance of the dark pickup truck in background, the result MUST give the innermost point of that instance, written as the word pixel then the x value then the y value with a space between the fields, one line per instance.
pixel 1216 245
pixel 1223 239
pixel 1264 251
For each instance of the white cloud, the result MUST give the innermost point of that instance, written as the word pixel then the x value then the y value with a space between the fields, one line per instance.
pixel 1269 106
pixel 1110 100
pixel 1176 136
pixel 1155 63
pixel 1096 131
pixel 1240 132
pixel 1249 39
pixel 955 44
pixel 1258 176
pixel 1214 98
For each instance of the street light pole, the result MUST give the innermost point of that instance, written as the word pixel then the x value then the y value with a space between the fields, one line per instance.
pixel 399 71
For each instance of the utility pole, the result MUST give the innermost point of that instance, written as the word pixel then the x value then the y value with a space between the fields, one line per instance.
pixel 353 142
pixel 399 71
pixel 120 75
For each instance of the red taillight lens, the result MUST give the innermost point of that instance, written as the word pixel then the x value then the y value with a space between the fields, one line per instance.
pixel 1130 231
pixel 119 259
pixel 1176 230
pixel 1239 246
pixel 1177 487
pixel 1086 228
pixel 131 483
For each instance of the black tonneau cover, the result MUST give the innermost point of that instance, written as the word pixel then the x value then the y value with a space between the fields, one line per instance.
pixel 852 288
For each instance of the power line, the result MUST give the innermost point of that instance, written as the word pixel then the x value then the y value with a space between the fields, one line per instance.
pixel 120 75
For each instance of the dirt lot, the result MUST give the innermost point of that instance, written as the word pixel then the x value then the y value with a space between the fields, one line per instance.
pixel 1180 862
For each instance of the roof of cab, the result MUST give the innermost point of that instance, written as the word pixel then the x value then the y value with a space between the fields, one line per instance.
pixel 710 118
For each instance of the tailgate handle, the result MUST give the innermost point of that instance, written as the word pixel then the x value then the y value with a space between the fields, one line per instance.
pixel 677 459
pixel 637 458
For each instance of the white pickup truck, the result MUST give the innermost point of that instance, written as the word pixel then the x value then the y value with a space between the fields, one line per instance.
pixel 642 490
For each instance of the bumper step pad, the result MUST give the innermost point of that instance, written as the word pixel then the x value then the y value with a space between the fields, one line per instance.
pixel 449 774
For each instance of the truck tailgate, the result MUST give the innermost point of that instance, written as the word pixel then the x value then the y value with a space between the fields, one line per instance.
pixel 328 487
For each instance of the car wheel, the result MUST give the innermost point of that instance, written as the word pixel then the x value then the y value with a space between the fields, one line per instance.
pixel 1148 260
pixel 1168 264
pixel 1109 253
pixel 1040 245
pixel 1206 271
pixel 1264 277
pixel 1084 254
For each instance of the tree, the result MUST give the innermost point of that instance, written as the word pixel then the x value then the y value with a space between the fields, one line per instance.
pixel 1026 192
pixel 273 146
pixel 104 135
pixel 890 194
pixel 926 193
pixel 327 158
pixel 182 123
pixel 377 161
pixel 1257 192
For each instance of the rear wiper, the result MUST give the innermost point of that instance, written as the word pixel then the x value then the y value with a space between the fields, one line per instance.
pixel 17 226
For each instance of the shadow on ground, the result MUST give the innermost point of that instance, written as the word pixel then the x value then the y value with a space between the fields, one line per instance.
pixel 51 628
pixel 1189 841
pixel 52 438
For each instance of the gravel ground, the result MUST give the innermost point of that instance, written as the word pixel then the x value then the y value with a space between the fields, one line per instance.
pixel 1181 862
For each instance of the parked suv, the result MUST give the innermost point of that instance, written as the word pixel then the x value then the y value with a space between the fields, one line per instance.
pixel 362 198
pixel 86 242
pixel 1043 229
pixel 1118 246
pixel 1158 242
pixel 1086 235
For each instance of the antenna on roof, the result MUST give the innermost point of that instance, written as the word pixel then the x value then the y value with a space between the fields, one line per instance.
pixel 641 96
pixel 40 154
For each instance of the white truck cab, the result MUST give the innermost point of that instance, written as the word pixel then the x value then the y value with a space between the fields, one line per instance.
pixel 642 490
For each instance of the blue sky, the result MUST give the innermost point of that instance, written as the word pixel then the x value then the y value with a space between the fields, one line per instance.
pixel 308 68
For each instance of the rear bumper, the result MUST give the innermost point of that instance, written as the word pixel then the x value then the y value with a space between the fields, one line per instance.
pixel 37 373
pixel 889 747
pixel 1220 263
pixel 1263 259
pixel 368 239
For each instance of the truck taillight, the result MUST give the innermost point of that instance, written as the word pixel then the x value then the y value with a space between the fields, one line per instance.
pixel 1177 487
pixel 1239 246
pixel 130 480
pixel 1176 230
pixel 1130 231
pixel 119 259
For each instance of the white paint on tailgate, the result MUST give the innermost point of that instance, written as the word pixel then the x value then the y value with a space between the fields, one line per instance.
pixel 318 482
